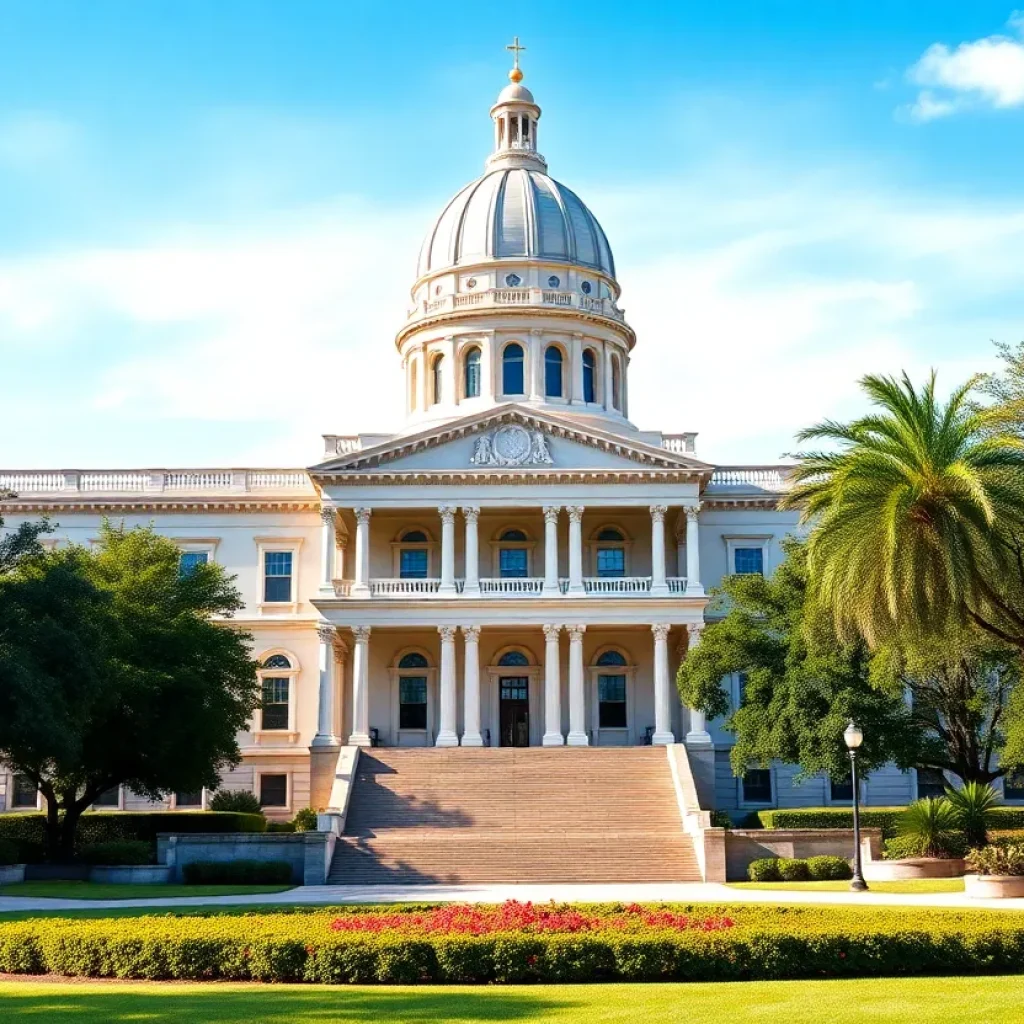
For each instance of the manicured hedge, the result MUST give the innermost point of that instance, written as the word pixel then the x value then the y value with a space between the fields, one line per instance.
pixel 27 830
pixel 884 818
pixel 237 872
pixel 762 943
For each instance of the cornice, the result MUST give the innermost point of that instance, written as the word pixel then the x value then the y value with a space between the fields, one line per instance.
pixel 519 477
pixel 136 505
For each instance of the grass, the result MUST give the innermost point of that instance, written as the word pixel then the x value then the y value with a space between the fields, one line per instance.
pixel 98 891
pixel 986 1000
pixel 918 885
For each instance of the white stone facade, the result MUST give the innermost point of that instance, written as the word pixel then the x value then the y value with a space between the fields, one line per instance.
pixel 516 553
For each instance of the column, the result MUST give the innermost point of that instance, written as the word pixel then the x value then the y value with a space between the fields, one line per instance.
pixel 693 584
pixel 325 736
pixel 606 378
pixel 698 734
pixel 361 586
pixel 446 735
pixel 472 517
pixel 552 689
pixel 471 727
pixel 658 584
pixel 662 693
pixel 577 699
pixel 551 549
pixel 535 367
pixel 423 381
pixel 447 513
pixel 360 687
pixel 575 369
pixel 328 543
pixel 575 549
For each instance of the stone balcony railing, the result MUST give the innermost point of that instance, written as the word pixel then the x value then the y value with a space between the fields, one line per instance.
pixel 63 482
pixel 752 478
pixel 593 586
pixel 490 297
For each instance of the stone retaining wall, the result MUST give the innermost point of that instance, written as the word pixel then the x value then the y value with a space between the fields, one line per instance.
pixel 745 845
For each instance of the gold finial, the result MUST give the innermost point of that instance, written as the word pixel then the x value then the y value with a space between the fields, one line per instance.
pixel 515 74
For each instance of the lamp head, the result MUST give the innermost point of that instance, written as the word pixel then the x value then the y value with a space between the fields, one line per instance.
pixel 853 735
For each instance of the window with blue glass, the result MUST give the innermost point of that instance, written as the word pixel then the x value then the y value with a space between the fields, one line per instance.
pixel 472 373
pixel 513 659
pixel 930 782
pixel 277 576
pixel 757 786
pixel 611 554
pixel 513 562
pixel 553 372
pixel 275 702
pixel 589 375
pixel 512 370
pixel 611 692
pixel 188 560
pixel 841 790
pixel 749 561
pixel 414 562
pixel 412 702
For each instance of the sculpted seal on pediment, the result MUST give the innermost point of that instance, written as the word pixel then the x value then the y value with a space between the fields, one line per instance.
pixel 511 445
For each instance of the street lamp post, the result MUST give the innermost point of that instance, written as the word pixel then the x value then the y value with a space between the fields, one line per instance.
pixel 854 738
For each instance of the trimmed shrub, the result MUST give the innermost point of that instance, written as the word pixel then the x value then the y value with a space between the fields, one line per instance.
pixel 793 869
pixel 760 943
pixel 826 868
pixel 305 820
pixel 884 818
pixel 280 826
pixel 241 801
pixel 1001 859
pixel 764 870
pixel 9 852
pixel 237 872
pixel 117 853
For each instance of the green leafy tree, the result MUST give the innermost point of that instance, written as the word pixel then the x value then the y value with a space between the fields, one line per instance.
pixel 917 516
pixel 803 684
pixel 115 671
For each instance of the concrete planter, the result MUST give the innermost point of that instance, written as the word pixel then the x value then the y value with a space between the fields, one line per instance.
pixel 993 887
pixel 913 867
pixel 131 874
pixel 11 873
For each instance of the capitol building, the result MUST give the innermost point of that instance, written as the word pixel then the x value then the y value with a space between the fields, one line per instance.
pixel 520 565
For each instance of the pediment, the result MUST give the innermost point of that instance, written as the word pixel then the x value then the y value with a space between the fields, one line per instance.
pixel 511 440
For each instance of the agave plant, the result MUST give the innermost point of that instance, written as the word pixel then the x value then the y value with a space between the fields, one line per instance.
pixel 932 826
pixel 973 804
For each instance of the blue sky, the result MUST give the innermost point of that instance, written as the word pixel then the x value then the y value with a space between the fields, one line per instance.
pixel 211 210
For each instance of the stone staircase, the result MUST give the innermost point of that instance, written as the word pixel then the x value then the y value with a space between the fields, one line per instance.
pixel 464 815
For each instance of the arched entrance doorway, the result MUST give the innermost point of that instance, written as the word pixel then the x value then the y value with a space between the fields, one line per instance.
pixel 513 699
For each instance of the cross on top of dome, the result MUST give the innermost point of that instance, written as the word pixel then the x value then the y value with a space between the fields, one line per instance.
pixel 515 116
pixel 515 74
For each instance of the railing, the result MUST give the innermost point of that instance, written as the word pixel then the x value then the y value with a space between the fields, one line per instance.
pixel 617 584
pixel 342 588
pixel 512 586
pixel 768 478
pixel 340 444
pixel 561 298
pixel 403 588
pixel 679 444
pixel 156 481
pixel 676 584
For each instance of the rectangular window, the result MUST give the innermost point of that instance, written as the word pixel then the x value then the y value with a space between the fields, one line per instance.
pixel 741 688
pixel 277 577
pixel 412 702
pixel 749 561
pixel 273 791
pixel 841 790
pixel 413 563
pixel 512 563
pixel 611 562
pixel 25 793
pixel 611 702
pixel 930 782
pixel 1013 786
pixel 188 560
pixel 757 786
pixel 188 799
pixel 108 798
pixel 275 703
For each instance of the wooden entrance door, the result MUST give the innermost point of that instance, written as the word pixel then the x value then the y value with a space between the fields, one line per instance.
pixel 515 711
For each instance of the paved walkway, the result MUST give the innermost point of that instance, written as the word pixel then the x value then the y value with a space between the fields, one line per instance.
pixel 613 892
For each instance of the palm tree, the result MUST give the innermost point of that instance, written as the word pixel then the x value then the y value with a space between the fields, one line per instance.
pixel 916 516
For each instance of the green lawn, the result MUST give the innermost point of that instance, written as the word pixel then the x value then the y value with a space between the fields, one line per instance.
pixel 95 891
pixel 921 885
pixel 887 1001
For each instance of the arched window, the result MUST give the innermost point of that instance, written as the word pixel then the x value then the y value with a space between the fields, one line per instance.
pixel 277 661
pixel 513 535
pixel 412 691
pixel 512 376
pixel 610 554
pixel 611 658
pixel 513 659
pixel 276 675
pixel 553 372
pixel 513 555
pixel 437 380
pixel 611 690
pixel 413 660
pixel 472 373
pixel 589 371
pixel 616 384
pixel 414 555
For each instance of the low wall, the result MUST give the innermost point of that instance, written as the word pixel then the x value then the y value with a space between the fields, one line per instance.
pixel 133 874
pixel 308 853
pixel 745 845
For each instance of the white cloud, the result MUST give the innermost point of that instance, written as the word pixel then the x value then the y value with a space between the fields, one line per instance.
pixel 986 72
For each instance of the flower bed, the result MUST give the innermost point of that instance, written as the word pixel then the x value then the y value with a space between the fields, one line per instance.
pixel 518 943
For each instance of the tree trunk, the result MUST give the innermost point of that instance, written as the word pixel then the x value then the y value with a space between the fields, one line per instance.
pixel 53 832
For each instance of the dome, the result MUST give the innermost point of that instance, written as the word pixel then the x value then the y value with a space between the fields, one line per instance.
pixel 516 93
pixel 515 213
